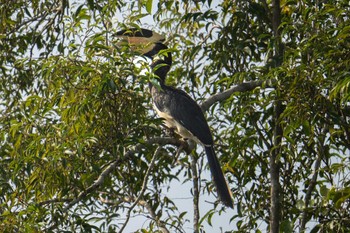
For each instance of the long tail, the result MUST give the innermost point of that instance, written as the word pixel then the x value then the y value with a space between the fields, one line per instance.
pixel 222 188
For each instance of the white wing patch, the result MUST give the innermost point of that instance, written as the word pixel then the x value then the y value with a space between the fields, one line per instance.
pixel 171 123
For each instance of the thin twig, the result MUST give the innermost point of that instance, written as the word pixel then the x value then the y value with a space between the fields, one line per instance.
pixel 142 202
pixel 56 200
pixel 257 129
pixel 143 189
pixel 160 223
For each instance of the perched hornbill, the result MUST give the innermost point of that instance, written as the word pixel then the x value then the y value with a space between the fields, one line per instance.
pixel 176 107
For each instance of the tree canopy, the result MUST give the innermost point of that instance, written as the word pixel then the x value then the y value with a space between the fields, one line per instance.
pixel 81 149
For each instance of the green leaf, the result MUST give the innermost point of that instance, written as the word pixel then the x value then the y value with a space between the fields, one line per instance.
pixel 286 226
pixel 316 228
pixel 149 6
pixel 324 190
pixel 341 196
pixel 300 204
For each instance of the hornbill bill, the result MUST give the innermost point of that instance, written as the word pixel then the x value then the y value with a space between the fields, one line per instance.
pixel 179 111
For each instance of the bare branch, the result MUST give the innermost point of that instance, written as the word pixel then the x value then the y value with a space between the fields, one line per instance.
pixel 143 189
pixel 196 214
pixel 310 189
pixel 313 182
pixel 141 202
pixel 275 164
pixel 160 223
pixel 243 87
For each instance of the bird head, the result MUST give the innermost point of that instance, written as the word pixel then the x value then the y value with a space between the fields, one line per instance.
pixel 149 44
pixel 143 41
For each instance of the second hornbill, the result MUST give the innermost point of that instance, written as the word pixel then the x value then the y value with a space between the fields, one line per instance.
pixel 179 111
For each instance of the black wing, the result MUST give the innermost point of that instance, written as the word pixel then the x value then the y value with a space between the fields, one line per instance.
pixel 185 111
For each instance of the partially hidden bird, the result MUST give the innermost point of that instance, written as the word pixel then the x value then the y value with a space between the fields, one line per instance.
pixel 179 111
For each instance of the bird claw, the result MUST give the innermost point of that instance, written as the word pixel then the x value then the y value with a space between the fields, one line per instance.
pixel 170 132
pixel 186 145
pixel 177 155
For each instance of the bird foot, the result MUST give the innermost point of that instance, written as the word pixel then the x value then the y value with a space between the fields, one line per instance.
pixel 170 132
pixel 190 145
pixel 186 145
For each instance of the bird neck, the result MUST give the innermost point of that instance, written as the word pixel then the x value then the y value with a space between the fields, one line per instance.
pixel 161 67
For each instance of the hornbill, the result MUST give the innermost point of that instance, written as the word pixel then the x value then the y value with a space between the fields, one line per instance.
pixel 179 111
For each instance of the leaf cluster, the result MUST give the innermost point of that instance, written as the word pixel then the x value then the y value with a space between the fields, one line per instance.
pixel 74 104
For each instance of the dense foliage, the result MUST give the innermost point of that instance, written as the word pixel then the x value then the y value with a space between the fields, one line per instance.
pixel 81 149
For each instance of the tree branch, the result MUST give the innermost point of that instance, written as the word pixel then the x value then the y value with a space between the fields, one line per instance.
pixel 143 189
pixel 275 164
pixel 161 141
pixel 275 192
pixel 310 189
pixel 160 223
pixel 243 87
pixel 196 214
pixel 55 200
pixel 313 181
pixel 141 202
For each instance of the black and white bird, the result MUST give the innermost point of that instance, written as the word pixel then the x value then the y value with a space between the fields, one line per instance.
pixel 179 111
